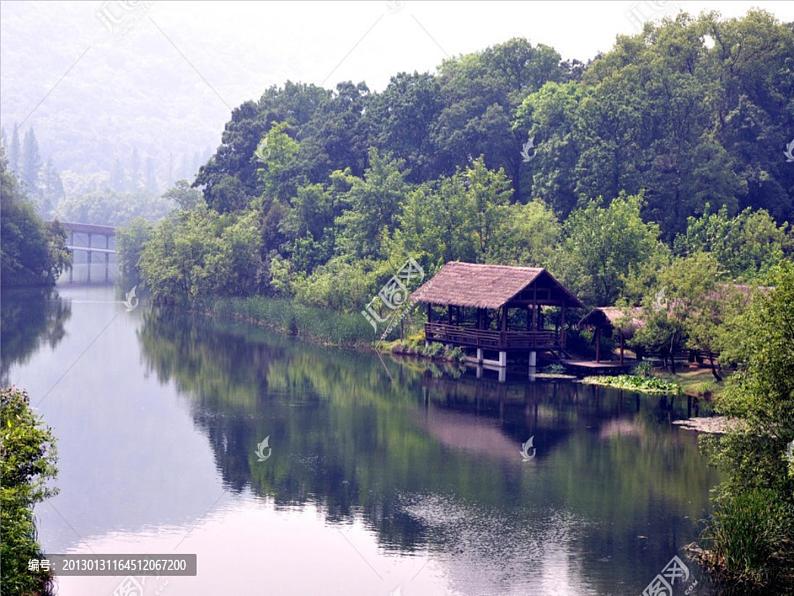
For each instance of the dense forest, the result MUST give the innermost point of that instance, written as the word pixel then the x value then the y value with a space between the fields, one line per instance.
pixel 670 144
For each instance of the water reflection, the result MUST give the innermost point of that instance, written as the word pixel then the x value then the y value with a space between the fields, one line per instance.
pixel 29 319
pixel 415 454
pixel 421 471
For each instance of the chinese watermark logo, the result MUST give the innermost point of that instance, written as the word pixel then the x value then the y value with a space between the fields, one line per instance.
pixel 394 297
pixel 131 300
pixel 394 6
pixel 129 586
pixel 525 447
pixel 789 152
pixel 664 583
pixel 526 148
pixel 640 12
pixel 260 453
pixel 119 16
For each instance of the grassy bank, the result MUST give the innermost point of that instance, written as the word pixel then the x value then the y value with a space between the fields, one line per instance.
pixel 697 382
pixel 414 345
pixel 319 325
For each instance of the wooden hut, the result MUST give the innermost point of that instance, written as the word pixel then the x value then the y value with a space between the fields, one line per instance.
pixel 610 320
pixel 476 303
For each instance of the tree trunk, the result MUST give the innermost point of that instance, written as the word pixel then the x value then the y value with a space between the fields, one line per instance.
pixel 714 371
pixel 672 354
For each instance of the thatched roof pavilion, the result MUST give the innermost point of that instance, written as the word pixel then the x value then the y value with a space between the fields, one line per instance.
pixel 478 300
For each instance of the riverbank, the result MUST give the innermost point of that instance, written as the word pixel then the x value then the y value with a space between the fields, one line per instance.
pixel 326 327
pixel 715 425
pixel 416 347
pixel 291 318
pixel 695 382
pixel 351 330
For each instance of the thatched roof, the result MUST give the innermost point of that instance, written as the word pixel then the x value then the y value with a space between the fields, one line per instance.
pixel 614 317
pixel 486 286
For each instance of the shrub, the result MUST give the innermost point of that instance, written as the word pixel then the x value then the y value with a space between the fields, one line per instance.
pixel 749 535
pixel 634 383
pixel 643 369
pixel 27 461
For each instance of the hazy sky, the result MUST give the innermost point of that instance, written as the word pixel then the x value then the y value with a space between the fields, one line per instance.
pixel 192 61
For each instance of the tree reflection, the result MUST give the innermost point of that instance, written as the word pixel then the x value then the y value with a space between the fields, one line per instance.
pixel 360 442
pixel 30 318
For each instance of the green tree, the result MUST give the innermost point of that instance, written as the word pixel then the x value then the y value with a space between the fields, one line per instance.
pixel 336 137
pixel 372 204
pixel 130 241
pixel 601 244
pixel 27 463
pixel 462 217
pixel 481 92
pixel 53 192
pixel 200 253
pixel 31 164
pixel 277 153
pixel 750 534
pixel 528 236
pixel 400 120
pixel 747 245
pixel 184 195
pixel 15 151
pixel 685 307
pixel 550 118
pixel 295 103
pixel 32 252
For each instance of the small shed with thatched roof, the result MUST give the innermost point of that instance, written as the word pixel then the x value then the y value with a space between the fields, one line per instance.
pixel 494 307
pixel 613 319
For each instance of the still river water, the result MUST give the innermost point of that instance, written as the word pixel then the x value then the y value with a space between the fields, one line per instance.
pixel 383 477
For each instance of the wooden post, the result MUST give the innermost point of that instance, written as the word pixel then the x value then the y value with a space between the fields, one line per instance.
pixel 449 314
pixel 534 308
pixel 562 327
pixel 598 344
pixel 621 346
pixel 504 318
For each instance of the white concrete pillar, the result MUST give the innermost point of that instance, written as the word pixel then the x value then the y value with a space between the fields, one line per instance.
pixel 502 374
pixel 533 356
pixel 479 356
pixel 502 359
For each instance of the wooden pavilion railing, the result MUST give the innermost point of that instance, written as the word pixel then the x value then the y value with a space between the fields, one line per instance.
pixel 490 339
